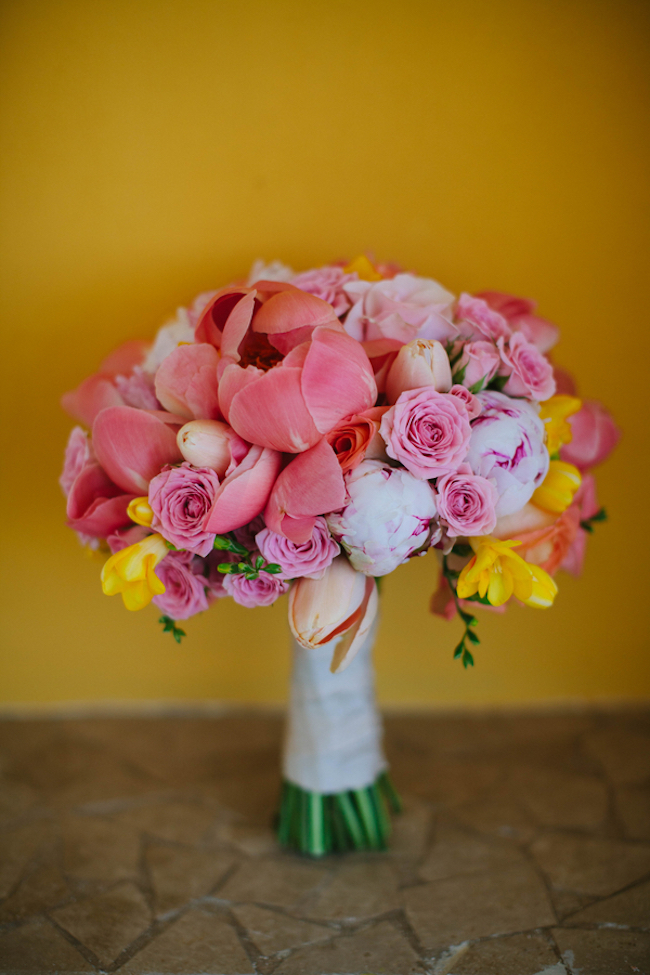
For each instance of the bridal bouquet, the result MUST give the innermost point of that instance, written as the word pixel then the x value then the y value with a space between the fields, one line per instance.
pixel 309 433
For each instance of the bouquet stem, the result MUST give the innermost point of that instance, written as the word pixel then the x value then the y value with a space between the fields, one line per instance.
pixel 336 793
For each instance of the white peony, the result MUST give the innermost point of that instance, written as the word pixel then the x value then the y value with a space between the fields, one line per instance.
pixel 389 517
pixel 167 338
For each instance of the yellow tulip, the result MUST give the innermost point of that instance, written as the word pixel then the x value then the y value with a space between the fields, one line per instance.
pixel 497 572
pixel 555 412
pixel 558 487
pixel 364 268
pixel 140 511
pixel 131 572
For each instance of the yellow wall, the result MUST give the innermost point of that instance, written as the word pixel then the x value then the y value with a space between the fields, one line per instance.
pixel 153 148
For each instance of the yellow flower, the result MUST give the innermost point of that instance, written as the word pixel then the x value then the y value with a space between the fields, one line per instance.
pixel 140 511
pixel 364 268
pixel 556 491
pixel 497 572
pixel 555 411
pixel 131 572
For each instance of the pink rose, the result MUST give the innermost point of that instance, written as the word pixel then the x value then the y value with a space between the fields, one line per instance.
pixel 184 594
pixel 78 453
pixel 262 591
pixel 482 320
pixel 531 374
pixel 182 498
pixel 404 307
pixel 594 436
pixel 518 312
pixel 472 403
pixel 480 361
pixel 426 431
pixel 310 558
pixel 467 503
pixel 326 283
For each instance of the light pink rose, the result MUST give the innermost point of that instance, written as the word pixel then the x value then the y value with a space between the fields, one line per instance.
pixel 181 499
pixel 327 283
pixel 472 403
pixel 78 453
pixel 426 431
pixel 467 503
pixel 479 321
pixel 262 591
pixel 518 312
pixel 531 374
pixel 594 436
pixel 480 361
pixel 296 560
pixel 185 590
pixel 405 307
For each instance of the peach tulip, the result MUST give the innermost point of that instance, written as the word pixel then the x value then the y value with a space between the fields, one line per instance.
pixel 421 362
pixel 210 443
pixel 342 604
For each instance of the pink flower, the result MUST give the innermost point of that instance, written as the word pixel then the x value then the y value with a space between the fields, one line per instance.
pixel 186 382
pixel 310 558
pixel 326 283
pixel 78 453
pixel 530 373
pixel 210 443
pixel 262 591
pixel 123 538
pixel 185 590
pixel 246 534
pixel 472 403
pixel 480 361
pixel 586 503
pixel 132 445
pixel 467 503
pixel 594 436
pixel 358 437
pixel 482 320
pixel 137 390
pixel 311 485
pixel 426 431
pixel 421 362
pixel 404 307
pixel 518 312
pixel 245 491
pixel 96 506
pixel 181 499
pixel 100 390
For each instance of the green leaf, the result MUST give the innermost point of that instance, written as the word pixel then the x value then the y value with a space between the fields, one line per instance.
pixel 459 649
pixel 468 659
pixel 459 375
pixel 472 637
pixel 229 568
pixel 272 567
pixel 479 599
pixel 259 562
pixel 498 383
pixel 462 550
pixel 478 386
pixel 224 543
pixel 169 545
pixel 169 626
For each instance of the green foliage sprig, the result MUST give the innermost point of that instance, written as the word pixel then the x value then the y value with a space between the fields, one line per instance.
pixel 462 650
pixel 588 523
pixel 246 566
pixel 169 626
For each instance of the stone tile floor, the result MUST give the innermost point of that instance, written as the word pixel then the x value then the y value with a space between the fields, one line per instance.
pixel 144 846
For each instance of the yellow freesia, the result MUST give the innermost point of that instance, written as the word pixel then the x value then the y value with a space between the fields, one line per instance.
pixel 131 572
pixel 554 412
pixel 497 572
pixel 364 268
pixel 558 488
pixel 140 511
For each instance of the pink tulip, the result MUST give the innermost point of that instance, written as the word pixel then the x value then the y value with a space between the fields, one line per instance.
pixel 421 362
pixel 96 506
pixel 186 382
pixel 594 436
pixel 245 492
pixel 291 406
pixel 341 604
pixel 311 485
pixel 133 445
pixel 93 395
pixel 210 443
pixel 518 312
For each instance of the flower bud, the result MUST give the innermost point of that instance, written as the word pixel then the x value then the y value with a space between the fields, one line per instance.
pixel 556 491
pixel 210 443
pixel 140 511
pixel 421 362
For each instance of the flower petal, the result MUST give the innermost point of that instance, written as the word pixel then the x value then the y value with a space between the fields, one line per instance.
pixel 244 493
pixel 132 446
pixel 186 382
pixel 94 394
pixel 272 412
pixel 96 506
pixel 337 378
pixel 211 324
pixel 312 484
pixel 292 308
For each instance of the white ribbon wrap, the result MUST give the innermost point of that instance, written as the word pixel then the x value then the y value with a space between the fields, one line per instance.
pixel 333 736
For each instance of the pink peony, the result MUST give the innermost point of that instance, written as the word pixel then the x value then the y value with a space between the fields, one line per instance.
pixel 507 446
pixel 185 590
pixel 594 436
pixel 426 431
pixel 262 591
pixel 78 453
pixel 467 503
pixel 181 499
pixel 479 320
pixel 326 283
pixel 531 374
pixel 480 360
pixel 96 506
pixel 138 390
pixel 307 559
pixel 405 307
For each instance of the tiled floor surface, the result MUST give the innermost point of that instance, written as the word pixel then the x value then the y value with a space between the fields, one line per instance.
pixel 143 846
